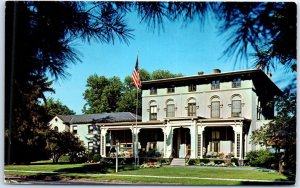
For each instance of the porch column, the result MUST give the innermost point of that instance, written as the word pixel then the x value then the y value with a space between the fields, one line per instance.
pixel 245 143
pixel 200 141
pixel 238 133
pixel 193 133
pixel 103 142
pixel 135 131
pixel 168 138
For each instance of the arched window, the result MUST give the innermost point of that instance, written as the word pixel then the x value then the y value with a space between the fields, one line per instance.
pixel 192 107
pixel 153 110
pixel 215 107
pixel 170 108
pixel 236 106
pixel 56 128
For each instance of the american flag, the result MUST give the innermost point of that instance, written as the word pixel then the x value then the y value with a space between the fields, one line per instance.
pixel 136 80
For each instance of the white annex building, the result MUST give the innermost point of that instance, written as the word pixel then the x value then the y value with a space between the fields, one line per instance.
pixel 185 117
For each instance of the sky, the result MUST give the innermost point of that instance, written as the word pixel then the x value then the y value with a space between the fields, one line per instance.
pixel 178 49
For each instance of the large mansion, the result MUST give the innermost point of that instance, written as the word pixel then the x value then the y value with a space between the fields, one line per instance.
pixel 192 116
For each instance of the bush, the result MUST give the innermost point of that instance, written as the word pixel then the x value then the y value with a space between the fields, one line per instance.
pixel 64 159
pixel 205 161
pixel 218 161
pixel 96 157
pixel 166 161
pixel 235 161
pixel 192 162
pixel 260 158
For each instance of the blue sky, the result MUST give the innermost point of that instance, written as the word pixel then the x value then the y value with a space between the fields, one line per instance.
pixel 179 49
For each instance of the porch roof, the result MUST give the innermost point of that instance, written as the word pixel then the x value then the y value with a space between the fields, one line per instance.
pixel 132 123
pixel 105 118
pixel 230 119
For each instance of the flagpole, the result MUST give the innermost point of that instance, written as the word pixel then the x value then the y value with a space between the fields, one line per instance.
pixel 137 83
pixel 136 136
pixel 136 110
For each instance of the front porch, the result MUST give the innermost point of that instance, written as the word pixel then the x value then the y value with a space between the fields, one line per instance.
pixel 189 138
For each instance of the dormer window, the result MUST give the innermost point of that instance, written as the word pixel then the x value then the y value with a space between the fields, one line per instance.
pixel 236 83
pixel 171 89
pixel 192 87
pixel 153 91
pixel 215 84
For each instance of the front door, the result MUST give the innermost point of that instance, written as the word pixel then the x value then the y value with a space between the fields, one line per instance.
pixel 181 142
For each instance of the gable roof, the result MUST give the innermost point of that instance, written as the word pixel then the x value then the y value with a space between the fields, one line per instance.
pixel 100 118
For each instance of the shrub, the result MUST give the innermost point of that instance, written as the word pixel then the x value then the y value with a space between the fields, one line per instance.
pixel 96 157
pixel 260 158
pixel 205 161
pixel 64 159
pixel 235 161
pixel 192 162
pixel 221 155
pixel 166 161
pixel 218 161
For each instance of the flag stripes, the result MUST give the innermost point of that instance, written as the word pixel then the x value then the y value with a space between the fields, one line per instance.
pixel 136 80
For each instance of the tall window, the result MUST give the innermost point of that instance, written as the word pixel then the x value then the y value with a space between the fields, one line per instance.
pixel 192 109
pixel 56 128
pixel 215 109
pixel 215 84
pixel 153 112
pixel 171 89
pixel 236 83
pixel 236 109
pixel 170 110
pixel 91 129
pixel 192 87
pixel 153 91
pixel 74 129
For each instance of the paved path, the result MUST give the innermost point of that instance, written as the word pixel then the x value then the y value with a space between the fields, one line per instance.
pixel 171 177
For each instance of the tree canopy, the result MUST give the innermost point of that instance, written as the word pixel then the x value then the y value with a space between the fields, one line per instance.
pixel 101 94
pixel 111 95
pixel 280 133
pixel 55 107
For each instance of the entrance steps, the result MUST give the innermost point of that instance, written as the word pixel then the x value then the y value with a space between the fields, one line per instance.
pixel 178 162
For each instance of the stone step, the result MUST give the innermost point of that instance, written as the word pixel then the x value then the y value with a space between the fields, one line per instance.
pixel 178 162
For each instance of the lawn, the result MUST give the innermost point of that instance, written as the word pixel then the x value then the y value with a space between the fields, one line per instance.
pixel 128 174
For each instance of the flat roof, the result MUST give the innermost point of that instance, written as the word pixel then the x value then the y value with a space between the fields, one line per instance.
pixel 257 75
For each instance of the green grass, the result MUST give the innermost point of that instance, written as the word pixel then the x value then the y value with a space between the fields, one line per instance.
pixel 97 171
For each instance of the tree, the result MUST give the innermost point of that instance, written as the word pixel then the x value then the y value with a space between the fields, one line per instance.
pixel 60 143
pixel 128 99
pixel 55 107
pixel 101 94
pixel 38 43
pixel 268 28
pixel 281 131
pixel 163 74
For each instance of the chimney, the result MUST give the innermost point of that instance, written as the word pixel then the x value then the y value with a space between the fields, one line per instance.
pixel 200 73
pixel 216 71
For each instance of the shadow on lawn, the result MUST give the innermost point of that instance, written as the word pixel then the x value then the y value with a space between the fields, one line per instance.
pixel 279 182
pixel 85 169
pixel 95 169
